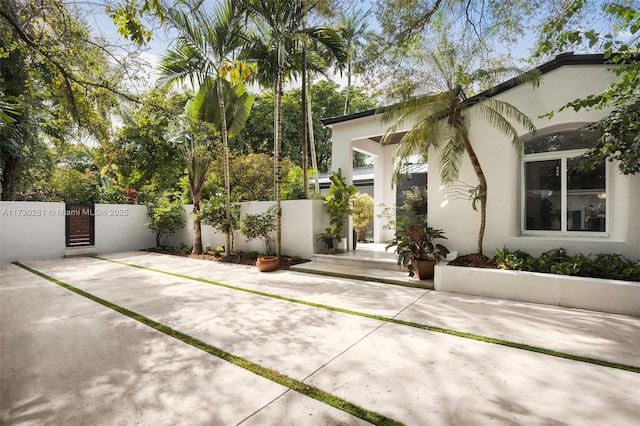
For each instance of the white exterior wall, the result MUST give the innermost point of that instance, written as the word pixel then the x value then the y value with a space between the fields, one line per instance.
pixel 121 227
pixel 31 230
pixel 502 167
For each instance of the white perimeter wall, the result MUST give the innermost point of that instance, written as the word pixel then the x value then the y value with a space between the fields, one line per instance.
pixel 121 227
pixel 302 222
pixel 34 230
pixel 31 230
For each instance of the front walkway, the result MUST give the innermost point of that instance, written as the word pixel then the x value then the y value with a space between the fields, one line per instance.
pixel 68 360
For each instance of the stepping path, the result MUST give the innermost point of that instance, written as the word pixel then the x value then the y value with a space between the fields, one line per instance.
pixel 409 374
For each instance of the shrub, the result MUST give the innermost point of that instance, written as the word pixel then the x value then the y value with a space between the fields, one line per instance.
pixel 260 226
pixel 557 261
pixel 212 212
pixel 166 218
pixel 362 215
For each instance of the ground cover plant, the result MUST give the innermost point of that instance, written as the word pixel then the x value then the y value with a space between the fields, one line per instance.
pixel 557 261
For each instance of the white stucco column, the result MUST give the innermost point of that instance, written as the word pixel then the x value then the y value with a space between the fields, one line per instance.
pixel 384 193
pixel 342 160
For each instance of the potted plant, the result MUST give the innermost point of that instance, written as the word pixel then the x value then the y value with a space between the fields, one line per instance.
pixel 416 249
pixel 338 204
pixel 329 237
pixel 260 226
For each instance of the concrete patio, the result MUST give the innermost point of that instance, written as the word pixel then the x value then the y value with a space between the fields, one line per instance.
pixel 68 360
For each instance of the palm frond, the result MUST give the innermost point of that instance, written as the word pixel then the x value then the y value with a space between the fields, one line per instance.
pixel 451 159
pixel 498 113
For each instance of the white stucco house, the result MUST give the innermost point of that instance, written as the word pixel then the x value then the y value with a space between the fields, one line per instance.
pixel 537 199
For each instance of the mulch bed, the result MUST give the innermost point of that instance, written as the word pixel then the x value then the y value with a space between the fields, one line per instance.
pixel 473 261
pixel 244 259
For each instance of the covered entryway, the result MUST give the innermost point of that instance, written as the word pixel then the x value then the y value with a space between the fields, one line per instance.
pixel 364 132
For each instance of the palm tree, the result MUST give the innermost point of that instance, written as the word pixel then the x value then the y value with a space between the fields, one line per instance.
pixel 441 120
pixel 272 45
pixel 195 143
pixel 205 46
pixel 355 34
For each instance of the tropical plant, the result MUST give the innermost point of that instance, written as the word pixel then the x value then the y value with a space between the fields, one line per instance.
pixel 166 218
pixel 362 215
pixel 338 204
pixel 415 241
pixel 557 261
pixel 213 212
pixel 260 226
pixel 442 123
pixel 276 33
pixel 203 52
pixel 196 140
pixel 355 34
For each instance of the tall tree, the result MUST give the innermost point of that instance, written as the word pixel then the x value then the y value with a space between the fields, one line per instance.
pixel 196 141
pixel 276 33
pixel 203 49
pixel 441 120
pixel 62 79
pixel 355 33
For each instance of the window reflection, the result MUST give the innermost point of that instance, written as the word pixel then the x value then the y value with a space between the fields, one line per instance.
pixel 586 197
pixel 543 195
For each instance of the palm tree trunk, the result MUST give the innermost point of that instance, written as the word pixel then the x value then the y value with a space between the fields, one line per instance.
pixel 197 228
pixel 225 156
pixel 312 139
pixel 482 187
pixel 348 89
pixel 305 153
pixel 277 135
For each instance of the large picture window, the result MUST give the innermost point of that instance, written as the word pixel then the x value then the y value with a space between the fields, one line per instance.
pixel 559 196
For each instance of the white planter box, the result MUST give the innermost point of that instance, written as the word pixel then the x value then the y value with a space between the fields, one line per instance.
pixel 618 297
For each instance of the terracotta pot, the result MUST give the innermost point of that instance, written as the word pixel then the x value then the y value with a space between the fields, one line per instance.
pixel 267 263
pixel 423 269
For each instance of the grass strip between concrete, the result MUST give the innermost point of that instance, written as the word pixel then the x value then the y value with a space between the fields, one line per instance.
pixel 293 384
pixel 477 337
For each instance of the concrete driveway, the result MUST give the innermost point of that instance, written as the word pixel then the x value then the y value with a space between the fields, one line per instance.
pixel 66 359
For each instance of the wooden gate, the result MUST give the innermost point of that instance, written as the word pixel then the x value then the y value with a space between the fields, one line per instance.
pixel 80 225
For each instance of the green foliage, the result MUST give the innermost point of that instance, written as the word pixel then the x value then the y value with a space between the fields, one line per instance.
pixel 293 184
pixel 416 241
pixel 251 176
pixel 327 100
pixel 415 202
pixel 213 212
pixel 237 101
pixel 619 139
pixel 620 132
pixel 167 217
pixel 362 215
pixel 338 204
pixel 72 185
pixel 557 261
pixel 142 156
pixel 259 226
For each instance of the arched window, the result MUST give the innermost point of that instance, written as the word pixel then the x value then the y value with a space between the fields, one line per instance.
pixel 559 195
